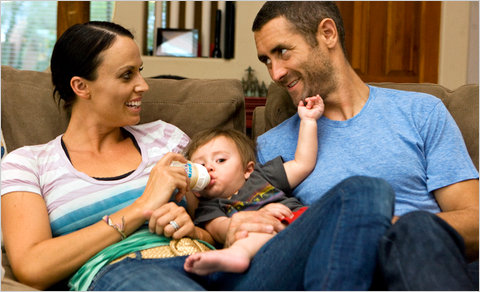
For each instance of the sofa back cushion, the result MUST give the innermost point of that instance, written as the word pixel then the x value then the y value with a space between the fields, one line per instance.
pixel 462 103
pixel 30 116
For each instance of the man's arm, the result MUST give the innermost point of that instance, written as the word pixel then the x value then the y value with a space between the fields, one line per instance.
pixel 241 223
pixel 459 205
pixel 227 230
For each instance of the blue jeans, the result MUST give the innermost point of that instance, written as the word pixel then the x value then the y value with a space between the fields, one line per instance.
pixel 332 246
pixel 422 252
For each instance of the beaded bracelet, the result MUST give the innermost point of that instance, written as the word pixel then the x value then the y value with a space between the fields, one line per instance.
pixel 120 228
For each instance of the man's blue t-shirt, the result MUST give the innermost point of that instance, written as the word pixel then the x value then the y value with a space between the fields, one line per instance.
pixel 407 138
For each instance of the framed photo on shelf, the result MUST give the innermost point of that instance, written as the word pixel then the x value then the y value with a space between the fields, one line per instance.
pixel 177 42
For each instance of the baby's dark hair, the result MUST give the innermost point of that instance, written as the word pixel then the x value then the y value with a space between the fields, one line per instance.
pixel 246 147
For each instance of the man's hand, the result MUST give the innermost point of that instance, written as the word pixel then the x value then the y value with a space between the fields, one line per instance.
pixel 242 223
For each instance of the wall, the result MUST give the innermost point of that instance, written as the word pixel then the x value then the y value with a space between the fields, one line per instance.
pixel 472 70
pixel 458 61
pixel 131 14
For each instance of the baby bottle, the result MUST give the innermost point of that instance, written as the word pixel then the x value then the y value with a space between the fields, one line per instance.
pixel 197 173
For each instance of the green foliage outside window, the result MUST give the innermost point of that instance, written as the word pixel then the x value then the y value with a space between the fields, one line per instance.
pixel 29 31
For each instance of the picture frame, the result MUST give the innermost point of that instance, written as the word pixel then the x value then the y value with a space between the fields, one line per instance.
pixel 177 42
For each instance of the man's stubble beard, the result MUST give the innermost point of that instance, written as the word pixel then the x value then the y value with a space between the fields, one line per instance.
pixel 319 76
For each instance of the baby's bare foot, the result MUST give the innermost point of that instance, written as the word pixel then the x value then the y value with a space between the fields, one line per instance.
pixel 224 260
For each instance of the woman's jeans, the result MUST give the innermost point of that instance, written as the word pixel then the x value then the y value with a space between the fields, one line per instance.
pixel 332 246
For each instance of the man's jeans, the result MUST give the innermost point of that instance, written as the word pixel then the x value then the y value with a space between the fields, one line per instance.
pixel 423 252
pixel 332 246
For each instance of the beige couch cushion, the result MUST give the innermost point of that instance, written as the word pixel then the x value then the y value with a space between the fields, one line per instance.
pixel 195 104
pixel 30 116
pixel 29 113
pixel 462 104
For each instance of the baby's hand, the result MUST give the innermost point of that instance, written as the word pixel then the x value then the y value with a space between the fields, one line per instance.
pixel 313 109
pixel 277 210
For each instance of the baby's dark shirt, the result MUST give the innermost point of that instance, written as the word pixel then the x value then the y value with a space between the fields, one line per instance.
pixel 267 184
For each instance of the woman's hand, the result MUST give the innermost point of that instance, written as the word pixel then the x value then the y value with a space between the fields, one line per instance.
pixel 163 181
pixel 242 223
pixel 161 217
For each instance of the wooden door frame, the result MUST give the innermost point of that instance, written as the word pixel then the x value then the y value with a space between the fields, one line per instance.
pixel 70 13
pixel 430 35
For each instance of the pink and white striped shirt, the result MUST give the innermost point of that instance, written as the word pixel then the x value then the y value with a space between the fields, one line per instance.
pixel 73 199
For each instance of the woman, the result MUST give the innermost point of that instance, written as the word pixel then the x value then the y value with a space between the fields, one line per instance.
pixel 67 204
pixel 52 218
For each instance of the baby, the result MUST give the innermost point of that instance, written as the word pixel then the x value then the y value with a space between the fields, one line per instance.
pixel 237 184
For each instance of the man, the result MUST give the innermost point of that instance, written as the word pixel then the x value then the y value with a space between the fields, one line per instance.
pixel 408 139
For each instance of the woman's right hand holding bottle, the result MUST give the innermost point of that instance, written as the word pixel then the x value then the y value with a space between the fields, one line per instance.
pixel 163 181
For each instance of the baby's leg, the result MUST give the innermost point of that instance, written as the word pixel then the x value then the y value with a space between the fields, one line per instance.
pixel 234 259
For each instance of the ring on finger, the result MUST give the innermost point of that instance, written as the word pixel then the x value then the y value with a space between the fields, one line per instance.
pixel 174 225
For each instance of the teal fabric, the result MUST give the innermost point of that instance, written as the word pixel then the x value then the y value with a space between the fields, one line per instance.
pixel 140 240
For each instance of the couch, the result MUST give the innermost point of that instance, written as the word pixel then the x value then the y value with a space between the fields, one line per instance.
pixel 30 116
pixel 462 103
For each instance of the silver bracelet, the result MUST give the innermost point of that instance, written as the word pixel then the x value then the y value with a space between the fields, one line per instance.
pixel 120 228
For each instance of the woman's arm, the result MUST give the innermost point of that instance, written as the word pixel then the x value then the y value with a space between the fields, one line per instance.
pixel 39 260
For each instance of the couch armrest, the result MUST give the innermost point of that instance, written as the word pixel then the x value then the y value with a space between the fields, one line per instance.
pixel 9 283
pixel 258 122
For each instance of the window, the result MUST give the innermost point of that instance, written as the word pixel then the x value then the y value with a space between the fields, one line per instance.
pixel 29 31
pixel 155 9
pixel 28 34
pixel 101 10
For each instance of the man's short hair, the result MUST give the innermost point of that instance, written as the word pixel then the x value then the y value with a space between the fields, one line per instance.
pixel 304 16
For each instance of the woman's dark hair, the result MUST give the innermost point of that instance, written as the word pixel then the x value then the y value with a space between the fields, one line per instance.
pixel 77 53
pixel 304 16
